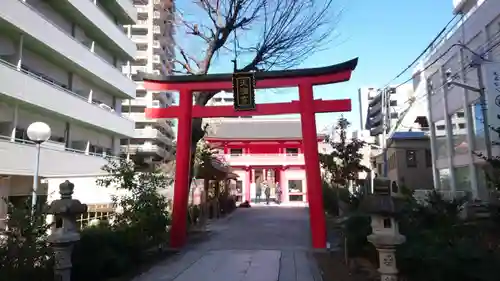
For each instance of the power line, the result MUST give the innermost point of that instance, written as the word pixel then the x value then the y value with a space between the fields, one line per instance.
pixel 412 100
pixel 423 52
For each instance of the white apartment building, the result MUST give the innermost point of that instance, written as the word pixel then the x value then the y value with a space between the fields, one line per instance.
pixel 222 98
pixel 60 63
pixel 456 114
pixel 153 35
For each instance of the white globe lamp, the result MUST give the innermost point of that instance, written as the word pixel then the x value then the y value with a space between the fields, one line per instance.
pixel 38 132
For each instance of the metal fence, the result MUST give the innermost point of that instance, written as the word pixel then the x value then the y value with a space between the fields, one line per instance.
pixel 96 213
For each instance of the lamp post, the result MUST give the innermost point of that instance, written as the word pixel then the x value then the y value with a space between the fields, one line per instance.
pixel 39 133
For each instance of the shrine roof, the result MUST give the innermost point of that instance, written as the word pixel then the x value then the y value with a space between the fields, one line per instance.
pixel 291 73
pixel 254 129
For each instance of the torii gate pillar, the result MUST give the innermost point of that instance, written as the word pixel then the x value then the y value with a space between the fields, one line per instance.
pixel 313 173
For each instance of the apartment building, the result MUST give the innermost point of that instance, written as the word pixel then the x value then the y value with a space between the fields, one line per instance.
pixel 153 35
pixel 457 115
pixel 60 63
pixel 222 98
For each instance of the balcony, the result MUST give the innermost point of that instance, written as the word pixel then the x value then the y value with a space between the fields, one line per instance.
pixel 58 46
pixel 26 87
pixel 124 10
pixel 152 134
pixel 264 159
pixel 140 38
pixel 141 55
pixel 144 149
pixel 96 22
pixel 142 9
pixel 138 117
pixel 142 23
pixel 55 160
pixel 136 102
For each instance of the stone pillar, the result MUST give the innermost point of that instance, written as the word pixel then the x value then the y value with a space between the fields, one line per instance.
pixel 64 232
pixel 383 205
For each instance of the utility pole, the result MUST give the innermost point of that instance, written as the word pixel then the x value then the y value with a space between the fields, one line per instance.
pixel 432 131
pixel 477 63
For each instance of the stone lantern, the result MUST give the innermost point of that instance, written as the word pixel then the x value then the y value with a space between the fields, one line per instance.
pixel 383 205
pixel 64 232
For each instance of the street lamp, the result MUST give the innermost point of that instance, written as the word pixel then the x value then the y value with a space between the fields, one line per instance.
pixel 39 133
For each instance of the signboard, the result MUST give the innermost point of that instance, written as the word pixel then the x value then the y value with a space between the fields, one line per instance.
pixel 244 91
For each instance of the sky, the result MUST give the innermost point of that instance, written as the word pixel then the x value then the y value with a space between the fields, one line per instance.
pixel 386 36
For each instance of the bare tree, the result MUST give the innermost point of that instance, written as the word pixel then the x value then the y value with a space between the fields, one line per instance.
pixel 263 34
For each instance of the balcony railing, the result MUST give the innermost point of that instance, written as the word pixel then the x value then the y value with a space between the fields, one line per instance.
pixel 152 133
pixel 59 87
pixel 69 35
pixel 287 159
pixel 138 148
pixel 54 146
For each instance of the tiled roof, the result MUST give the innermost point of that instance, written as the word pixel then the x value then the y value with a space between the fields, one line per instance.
pixel 257 129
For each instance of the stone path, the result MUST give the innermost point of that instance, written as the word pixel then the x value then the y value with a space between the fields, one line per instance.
pixel 255 244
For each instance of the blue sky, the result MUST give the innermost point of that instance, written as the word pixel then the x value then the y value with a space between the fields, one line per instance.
pixel 386 35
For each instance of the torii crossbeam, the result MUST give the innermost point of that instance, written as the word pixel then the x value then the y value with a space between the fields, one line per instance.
pixel 304 79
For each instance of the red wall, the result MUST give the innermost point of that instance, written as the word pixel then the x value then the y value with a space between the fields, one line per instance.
pixel 258 147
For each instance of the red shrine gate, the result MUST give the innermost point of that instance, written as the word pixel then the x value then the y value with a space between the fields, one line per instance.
pixel 304 79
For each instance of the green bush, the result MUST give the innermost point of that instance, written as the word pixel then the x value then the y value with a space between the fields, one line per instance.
pixel 330 203
pixel 356 229
pixel 24 251
pixel 439 245
pixel 105 252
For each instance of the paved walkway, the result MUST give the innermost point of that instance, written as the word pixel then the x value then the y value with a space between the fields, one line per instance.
pixel 255 244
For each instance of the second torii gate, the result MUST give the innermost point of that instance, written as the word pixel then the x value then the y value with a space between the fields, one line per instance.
pixel 306 106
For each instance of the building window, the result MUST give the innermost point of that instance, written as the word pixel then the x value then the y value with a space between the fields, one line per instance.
pixel 394 115
pixel 440 127
pixel 461 125
pixel 428 158
pixel 394 103
pixel 411 158
pixel 292 151
pixel 460 114
pixel 236 151
pixel 295 186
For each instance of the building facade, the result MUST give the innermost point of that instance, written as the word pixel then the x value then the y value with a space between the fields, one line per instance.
pixel 468 54
pixel 263 150
pixel 153 35
pixel 409 160
pixel 60 63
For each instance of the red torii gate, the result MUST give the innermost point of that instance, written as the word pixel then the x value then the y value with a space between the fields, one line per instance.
pixel 304 79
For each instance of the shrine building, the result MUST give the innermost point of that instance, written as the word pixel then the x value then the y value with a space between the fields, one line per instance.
pixel 260 150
